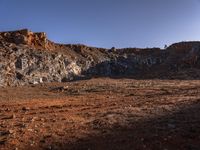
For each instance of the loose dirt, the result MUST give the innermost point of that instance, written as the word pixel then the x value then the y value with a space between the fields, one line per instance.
pixel 102 114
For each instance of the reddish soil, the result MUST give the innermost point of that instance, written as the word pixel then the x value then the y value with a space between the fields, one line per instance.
pixel 102 114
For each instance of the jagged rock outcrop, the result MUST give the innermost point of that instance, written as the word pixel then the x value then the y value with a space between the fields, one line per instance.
pixel 30 58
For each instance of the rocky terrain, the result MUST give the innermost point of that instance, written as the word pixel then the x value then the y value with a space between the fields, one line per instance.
pixel 30 58
pixel 103 113
pixel 64 96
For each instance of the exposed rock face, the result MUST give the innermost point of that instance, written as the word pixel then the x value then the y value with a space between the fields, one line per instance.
pixel 30 58
pixel 26 37
pixel 24 66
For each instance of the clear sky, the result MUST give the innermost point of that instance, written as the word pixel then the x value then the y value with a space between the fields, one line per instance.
pixel 106 23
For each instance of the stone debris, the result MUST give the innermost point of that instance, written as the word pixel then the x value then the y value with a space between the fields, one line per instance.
pixel 9 117
pixel 3 140
pixel 25 108
pixel 2 133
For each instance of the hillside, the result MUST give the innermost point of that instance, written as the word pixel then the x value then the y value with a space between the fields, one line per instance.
pixel 30 58
pixel 133 100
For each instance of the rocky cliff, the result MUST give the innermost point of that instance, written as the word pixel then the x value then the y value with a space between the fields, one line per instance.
pixel 30 58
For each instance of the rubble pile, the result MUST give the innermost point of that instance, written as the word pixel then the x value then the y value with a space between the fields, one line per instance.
pixel 30 58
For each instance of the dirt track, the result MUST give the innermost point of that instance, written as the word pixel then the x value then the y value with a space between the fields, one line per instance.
pixel 102 114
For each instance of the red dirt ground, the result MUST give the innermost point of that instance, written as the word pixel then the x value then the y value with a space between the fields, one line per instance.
pixel 102 114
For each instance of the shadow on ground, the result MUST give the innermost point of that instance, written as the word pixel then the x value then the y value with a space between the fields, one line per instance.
pixel 178 130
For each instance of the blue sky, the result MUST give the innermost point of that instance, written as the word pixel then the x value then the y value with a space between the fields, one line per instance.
pixel 106 23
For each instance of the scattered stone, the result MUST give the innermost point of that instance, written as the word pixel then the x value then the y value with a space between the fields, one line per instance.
pixel 60 134
pixel 25 108
pixel 34 119
pixel 3 140
pixel 47 136
pixel 21 125
pixel 32 143
pixel 31 130
pixel 9 117
pixel 7 109
pixel 11 131
pixel 61 89
pixel 42 141
pixel 2 133
pixel 42 119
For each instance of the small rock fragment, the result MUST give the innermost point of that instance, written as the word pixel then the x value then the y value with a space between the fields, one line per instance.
pixel 9 117
pixel 25 108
